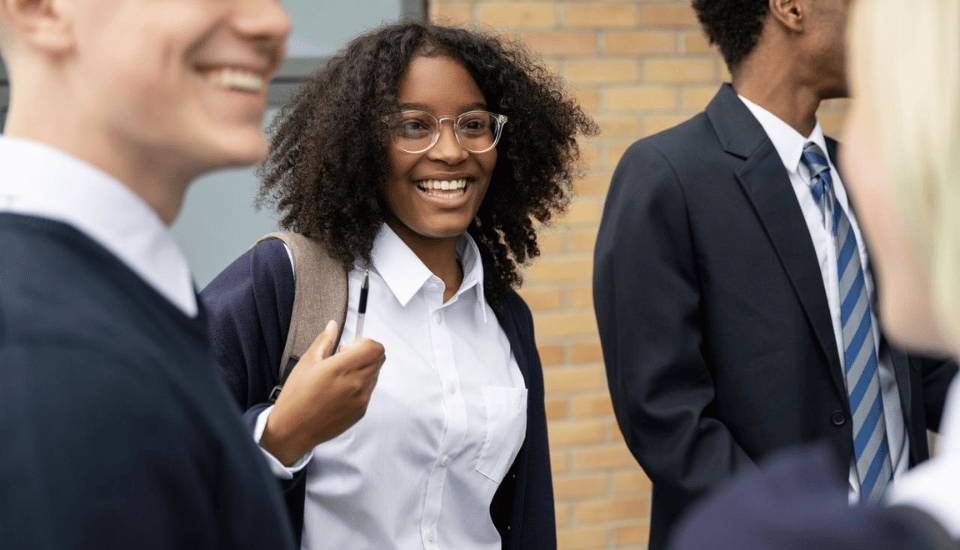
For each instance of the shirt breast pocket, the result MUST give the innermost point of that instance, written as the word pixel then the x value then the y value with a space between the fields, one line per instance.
pixel 505 429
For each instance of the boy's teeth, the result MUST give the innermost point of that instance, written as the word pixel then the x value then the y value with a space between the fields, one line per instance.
pixel 238 80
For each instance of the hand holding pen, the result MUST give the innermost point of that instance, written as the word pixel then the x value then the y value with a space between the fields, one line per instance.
pixel 324 395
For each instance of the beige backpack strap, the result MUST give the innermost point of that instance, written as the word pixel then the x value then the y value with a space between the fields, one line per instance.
pixel 320 295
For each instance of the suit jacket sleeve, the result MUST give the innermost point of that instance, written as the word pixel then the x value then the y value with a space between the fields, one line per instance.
pixel 649 308
pixel 250 305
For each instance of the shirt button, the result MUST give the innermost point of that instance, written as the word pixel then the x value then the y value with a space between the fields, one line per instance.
pixel 430 536
pixel 445 462
pixel 436 317
pixel 452 388
pixel 838 418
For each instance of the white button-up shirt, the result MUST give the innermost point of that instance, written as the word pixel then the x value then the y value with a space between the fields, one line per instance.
pixel 444 424
pixel 789 144
pixel 41 181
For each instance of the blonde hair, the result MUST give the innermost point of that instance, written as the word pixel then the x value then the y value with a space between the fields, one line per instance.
pixel 905 68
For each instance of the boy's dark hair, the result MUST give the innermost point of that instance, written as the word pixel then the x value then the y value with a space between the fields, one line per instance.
pixel 328 156
pixel 734 26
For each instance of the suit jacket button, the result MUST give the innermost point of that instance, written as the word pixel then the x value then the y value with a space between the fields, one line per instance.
pixel 838 418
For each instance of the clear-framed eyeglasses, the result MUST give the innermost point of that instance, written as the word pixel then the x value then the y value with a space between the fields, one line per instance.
pixel 418 131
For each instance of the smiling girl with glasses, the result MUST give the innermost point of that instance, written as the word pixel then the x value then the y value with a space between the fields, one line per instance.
pixel 424 159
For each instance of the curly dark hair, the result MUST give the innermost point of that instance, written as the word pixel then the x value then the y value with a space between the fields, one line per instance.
pixel 734 26
pixel 328 159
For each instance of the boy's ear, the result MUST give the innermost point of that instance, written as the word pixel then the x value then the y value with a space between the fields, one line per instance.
pixel 43 25
pixel 789 13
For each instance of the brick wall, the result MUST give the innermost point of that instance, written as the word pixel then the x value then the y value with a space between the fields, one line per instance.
pixel 637 67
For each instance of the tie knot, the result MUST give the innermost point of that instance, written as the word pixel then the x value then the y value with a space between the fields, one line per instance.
pixel 815 160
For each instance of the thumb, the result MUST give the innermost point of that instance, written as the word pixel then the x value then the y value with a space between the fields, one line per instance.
pixel 326 339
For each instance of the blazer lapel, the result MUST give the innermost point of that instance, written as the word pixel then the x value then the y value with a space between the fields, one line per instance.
pixel 766 184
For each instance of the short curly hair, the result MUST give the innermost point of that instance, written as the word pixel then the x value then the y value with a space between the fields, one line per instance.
pixel 328 158
pixel 734 26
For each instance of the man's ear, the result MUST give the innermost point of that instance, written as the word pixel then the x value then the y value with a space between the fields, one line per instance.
pixel 789 13
pixel 43 25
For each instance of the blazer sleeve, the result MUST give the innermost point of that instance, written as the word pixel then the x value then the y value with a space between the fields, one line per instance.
pixel 936 376
pixel 649 307
pixel 250 305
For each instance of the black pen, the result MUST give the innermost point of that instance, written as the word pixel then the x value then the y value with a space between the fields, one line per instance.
pixel 362 308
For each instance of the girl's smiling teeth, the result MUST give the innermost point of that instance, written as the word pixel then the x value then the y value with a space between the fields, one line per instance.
pixel 443 188
pixel 238 79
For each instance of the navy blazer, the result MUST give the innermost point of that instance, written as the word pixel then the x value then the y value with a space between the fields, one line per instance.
pixel 250 305
pixel 714 323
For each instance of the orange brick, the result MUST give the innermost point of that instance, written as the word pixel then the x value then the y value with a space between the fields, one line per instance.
pixel 582 297
pixel 580 486
pixel 597 458
pixel 606 510
pixel 556 408
pixel 633 534
pixel 696 43
pixel 617 126
pixel 696 98
pixel 551 355
pixel 603 15
pixel 560 270
pixel 583 211
pixel 548 325
pixel 582 240
pixel 589 154
pixel 586 352
pixel 601 71
pixel 575 432
pixel 641 98
pixel 654 124
pixel 581 539
pixel 593 405
pixel 561 43
pixel 679 70
pixel 639 42
pixel 550 242
pixel 669 15
pixel 587 98
pixel 559 462
pixel 595 182
pixel 576 379
pixel 615 151
pixel 563 515
pixel 541 299
pixel 631 482
pixel 518 14
pixel 451 14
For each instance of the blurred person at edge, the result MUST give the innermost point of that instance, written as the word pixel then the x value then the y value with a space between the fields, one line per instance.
pixel 902 157
pixel 117 431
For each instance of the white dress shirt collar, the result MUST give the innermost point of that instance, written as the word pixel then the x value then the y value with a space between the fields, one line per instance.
pixel 42 181
pixel 405 274
pixel 788 142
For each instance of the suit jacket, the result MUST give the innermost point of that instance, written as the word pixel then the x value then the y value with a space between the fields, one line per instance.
pixel 251 304
pixel 714 322
pixel 797 500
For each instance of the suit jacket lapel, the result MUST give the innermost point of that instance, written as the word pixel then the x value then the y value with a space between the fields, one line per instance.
pixel 766 184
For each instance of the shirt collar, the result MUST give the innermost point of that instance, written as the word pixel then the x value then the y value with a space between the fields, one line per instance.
pixel 788 142
pixel 42 181
pixel 405 274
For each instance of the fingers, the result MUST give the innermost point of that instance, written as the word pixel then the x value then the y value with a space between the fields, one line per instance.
pixel 365 351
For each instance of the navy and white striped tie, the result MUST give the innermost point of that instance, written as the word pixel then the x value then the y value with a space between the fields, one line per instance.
pixel 860 351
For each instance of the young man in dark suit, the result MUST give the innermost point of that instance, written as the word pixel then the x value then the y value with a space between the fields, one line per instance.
pixel 117 431
pixel 732 288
